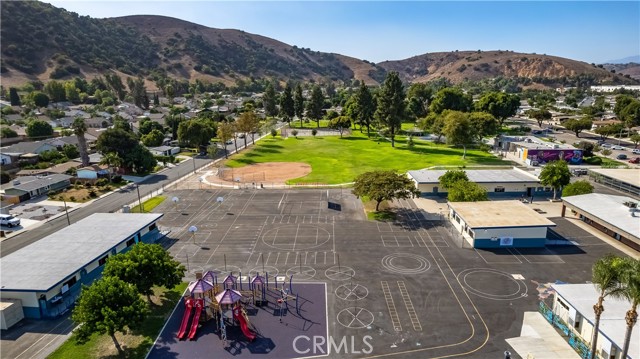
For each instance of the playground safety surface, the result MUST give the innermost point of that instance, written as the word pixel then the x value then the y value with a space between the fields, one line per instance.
pixel 275 333
pixel 409 288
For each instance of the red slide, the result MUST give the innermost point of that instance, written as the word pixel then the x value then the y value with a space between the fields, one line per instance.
pixel 185 319
pixel 237 314
pixel 196 318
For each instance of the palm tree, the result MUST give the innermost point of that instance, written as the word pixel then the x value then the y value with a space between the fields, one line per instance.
pixel 80 128
pixel 111 159
pixel 606 278
pixel 630 279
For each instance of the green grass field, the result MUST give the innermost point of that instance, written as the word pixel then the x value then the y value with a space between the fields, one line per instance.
pixel 137 343
pixel 149 205
pixel 339 160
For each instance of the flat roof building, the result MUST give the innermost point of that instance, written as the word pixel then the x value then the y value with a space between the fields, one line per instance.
pixel 624 179
pixel 500 224
pixel 613 215
pixel 48 274
pixel 573 305
pixel 501 182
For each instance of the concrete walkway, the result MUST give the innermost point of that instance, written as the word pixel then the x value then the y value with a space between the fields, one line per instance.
pixel 539 340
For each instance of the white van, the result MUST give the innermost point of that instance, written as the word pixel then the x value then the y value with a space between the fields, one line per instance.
pixel 8 220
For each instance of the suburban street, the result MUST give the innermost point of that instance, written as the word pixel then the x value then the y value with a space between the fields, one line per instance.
pixel 111 203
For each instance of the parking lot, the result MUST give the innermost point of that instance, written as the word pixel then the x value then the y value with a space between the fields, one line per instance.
pixel 407 285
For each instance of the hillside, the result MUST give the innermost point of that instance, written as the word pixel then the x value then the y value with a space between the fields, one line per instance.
pixel 42 42
pixel 459 66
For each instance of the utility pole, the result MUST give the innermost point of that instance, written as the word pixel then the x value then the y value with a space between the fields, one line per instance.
pixel 66 211
pixel 139 200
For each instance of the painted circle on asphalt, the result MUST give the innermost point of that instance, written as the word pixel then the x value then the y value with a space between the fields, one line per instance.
pixel 340 273
pixel 225 272
pixel 405 263
pixel 509 289
pixel 296 237
pixel 352 292
pixel 355 318
pixel 301 272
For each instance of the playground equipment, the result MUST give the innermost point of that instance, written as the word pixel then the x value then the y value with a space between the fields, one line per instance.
pixel 225 302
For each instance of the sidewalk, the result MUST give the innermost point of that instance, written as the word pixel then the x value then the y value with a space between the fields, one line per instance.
pixel 539 340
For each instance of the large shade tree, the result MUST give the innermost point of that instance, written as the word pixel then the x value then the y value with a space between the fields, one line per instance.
pixel 145 266
pixel 108 306
pixel 391 107
pixel 298 103
pixel 287 108
pixel 458 129
pixel 499 104
pixel 384 186
pixel 364 107
pixel 451 98
pixel 315 104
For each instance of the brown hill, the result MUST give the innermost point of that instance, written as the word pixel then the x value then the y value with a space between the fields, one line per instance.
pixel 459 66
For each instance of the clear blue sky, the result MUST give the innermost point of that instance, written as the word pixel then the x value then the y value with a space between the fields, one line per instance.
pixel 591 31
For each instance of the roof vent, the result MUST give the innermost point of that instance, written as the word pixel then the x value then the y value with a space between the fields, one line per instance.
pixel 631 204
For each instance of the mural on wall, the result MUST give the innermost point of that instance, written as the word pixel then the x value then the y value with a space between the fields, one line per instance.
pixel 573 157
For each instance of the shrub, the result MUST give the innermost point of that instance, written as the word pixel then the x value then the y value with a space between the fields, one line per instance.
pixel 116 179
pixel 102 182
pixel 93 194
pixel 88 185
pixel 314 132
pixel 72 198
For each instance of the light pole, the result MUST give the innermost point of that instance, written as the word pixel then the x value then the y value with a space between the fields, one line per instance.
pixel 66 211
pixel 139 200
pixel 194 165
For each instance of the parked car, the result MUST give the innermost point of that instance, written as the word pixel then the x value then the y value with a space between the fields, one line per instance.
pixel 621 156
pixel 605 145
pixel 579 171
pixel 635 160
pixel 636 151
pixel 8 220
pixel 616 147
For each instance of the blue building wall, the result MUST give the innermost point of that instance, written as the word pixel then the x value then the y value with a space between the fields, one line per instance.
pixel 517 243
pixel 52 310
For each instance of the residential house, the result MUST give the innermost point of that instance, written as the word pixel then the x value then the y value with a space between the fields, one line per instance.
pixel 8 158
pixel 157 117
pixel 29 187
pixel 164 150
pixel 13 117
pixel 97 122
pixel 92 172
pixel 602 123
pixel 35 172
pixel 24 147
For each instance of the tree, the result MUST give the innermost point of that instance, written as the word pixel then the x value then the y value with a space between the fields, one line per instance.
pixel 605 276
pixel 112 160
pixel 465 191
pixel 153 139
pixel 116 140
pixel 56 91
pixel 606 152
pixel 635 138
pixel 555 174
pixel 287 109
pixel 419 95
pixel 314 132
pixel 450 98
pixel 14 97
pixel 196 132
pixel 212 151
pixel 587 148
pixel 140 160
pixel 80 128
pixel 540 115
pixel 269 100
pixel 39 99
pixel 39 129
pixel 71 92
pixel 146 126
pixel 246 123
pixel 273 133
pixel 298 103
pixel 449 178
pixel 458 129
pixel 225 134
pixel 294 133
pixel 108 306
pixel 70 151
pixel 608 130
pixel 384 186
pixel 630 279
pixel 7 132
pixel 630 115
pixel 340 123
pixel 483 124
pixel 315 104
pixel 577 188
pixel 364 108
pixel 145 266
pixel 391 107
pixel 499 104
pixel 622 101
pixel 578 126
